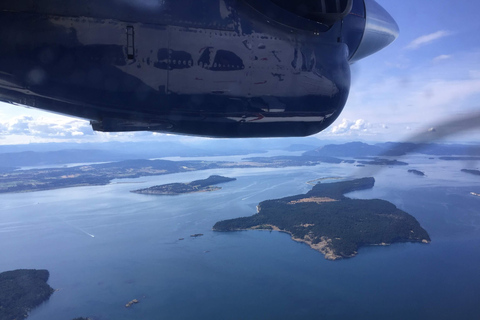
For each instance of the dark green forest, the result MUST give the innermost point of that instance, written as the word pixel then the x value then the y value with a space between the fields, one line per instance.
pixel 349 223
pixel 21 291
pixel 471 171
pixel 179 188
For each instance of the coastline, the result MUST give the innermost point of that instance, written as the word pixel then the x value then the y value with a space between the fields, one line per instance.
pixel 323 216
pixel 161 193
pixel 322 246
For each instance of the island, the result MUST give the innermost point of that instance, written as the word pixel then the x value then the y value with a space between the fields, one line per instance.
pixel 382 162
pixel 331 223
pixel 204 185
pixel 474 172
pixel 417 172
pixel 460 158
pixel 130 303
pixel 21 291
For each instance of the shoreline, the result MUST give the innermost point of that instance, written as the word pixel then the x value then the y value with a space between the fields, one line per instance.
pixel 321 247
pixel 315 181
pixel 175 193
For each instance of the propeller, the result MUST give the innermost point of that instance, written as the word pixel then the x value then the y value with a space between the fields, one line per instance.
pixel 431 133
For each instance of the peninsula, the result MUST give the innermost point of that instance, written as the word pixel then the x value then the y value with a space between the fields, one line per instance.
pixel 21 291
pixel 331 223
pixel 204 185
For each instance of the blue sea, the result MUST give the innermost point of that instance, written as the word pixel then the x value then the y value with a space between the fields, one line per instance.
pixel 105 246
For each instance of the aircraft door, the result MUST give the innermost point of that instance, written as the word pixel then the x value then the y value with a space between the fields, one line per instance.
pixel 146 51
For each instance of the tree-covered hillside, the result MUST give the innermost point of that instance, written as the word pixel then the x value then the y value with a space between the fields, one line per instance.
pixel 325 214
pixel 21 291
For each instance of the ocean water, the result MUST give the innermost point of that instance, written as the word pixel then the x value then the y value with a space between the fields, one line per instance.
pixel 105 246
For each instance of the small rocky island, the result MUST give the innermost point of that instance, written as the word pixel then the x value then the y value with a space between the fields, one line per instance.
pixel 417 172
pixel 131 303
pixel 331 223
pixel 21 291
pixel 204 185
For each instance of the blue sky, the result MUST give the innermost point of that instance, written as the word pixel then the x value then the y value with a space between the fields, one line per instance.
pixel 429 75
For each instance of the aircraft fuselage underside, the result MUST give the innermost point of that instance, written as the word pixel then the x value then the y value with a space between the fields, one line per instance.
pixel 218 69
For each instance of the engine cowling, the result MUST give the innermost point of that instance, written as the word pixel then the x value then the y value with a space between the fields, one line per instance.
pixel 324 11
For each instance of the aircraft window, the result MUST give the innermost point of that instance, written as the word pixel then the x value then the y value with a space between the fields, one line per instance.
pixel 227 60
pixel 173 59
pixel 204 59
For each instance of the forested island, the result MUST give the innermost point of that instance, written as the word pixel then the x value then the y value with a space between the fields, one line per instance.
pixel 383 162
pixel 417 172
pixel 331 223
pixel 21 291
pixel 474 172
pixel 204 185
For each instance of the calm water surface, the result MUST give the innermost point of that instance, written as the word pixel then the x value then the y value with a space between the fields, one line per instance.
pixel 105 246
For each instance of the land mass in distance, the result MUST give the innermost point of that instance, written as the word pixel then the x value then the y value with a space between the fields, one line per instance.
pixel 204 185
pixel 331 223
pixel 29 180
pixel 471 171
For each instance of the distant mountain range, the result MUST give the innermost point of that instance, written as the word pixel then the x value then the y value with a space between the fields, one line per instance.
pixel 360 149
pixel 21 156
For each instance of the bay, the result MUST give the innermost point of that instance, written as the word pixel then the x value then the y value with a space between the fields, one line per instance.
pixel 105 246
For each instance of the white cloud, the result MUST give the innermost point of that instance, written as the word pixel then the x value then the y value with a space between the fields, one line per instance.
pixel 426 39
pixel 360 124
pixel 18 125
pixel 347 126
pixel 342 127
pixel 442 57
pixel 423 95
pixel 45 127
